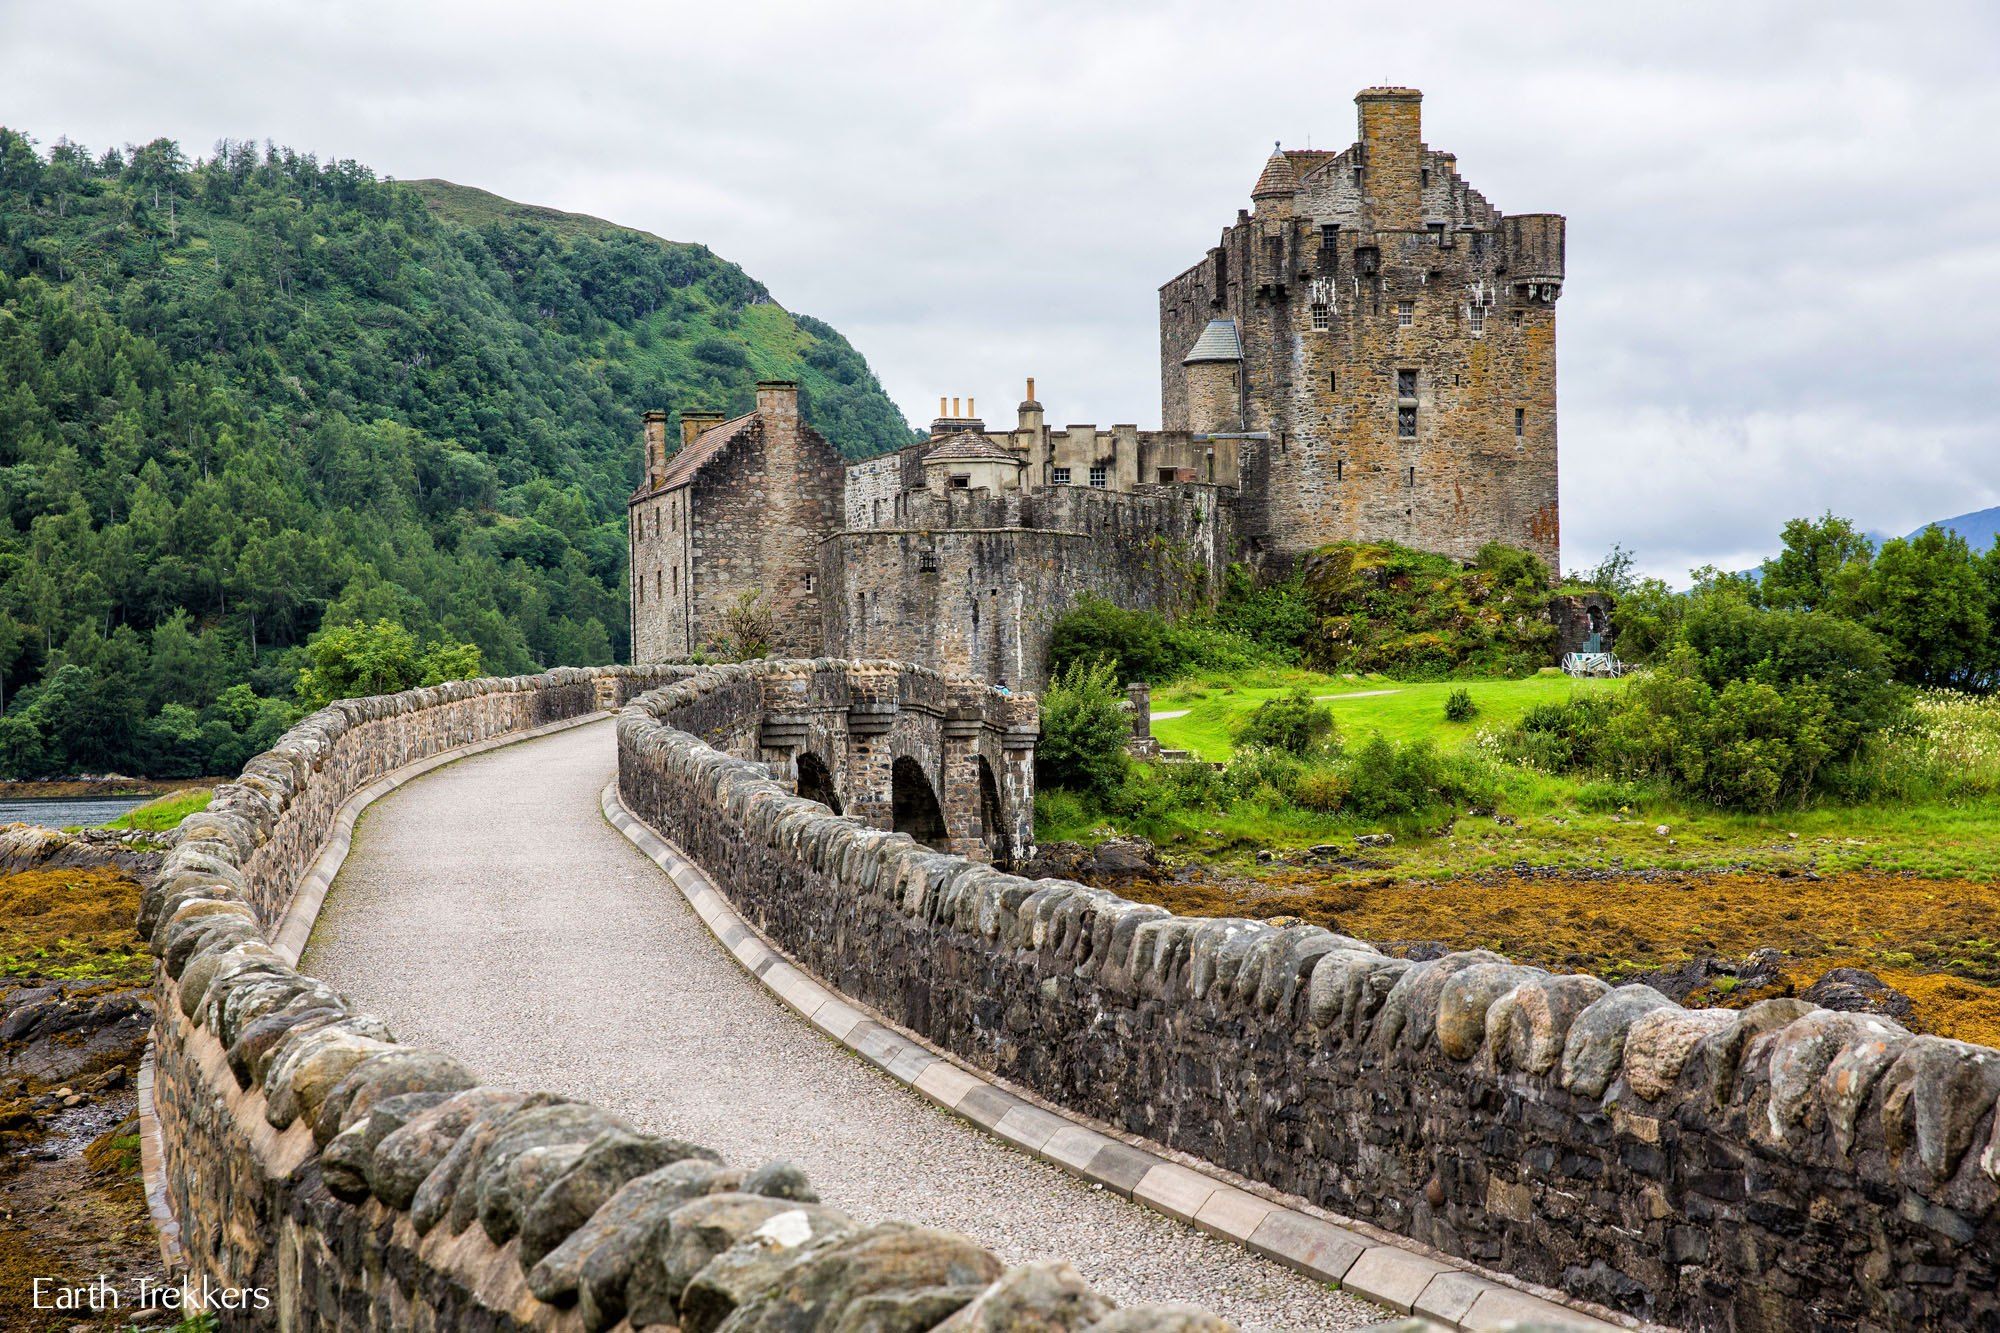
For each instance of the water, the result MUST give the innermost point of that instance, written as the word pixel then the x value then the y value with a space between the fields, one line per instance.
pixel 67 811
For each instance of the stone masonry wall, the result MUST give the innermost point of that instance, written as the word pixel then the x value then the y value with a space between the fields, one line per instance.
pixel 359 1183
pixel 971 584
pixel 1778 1168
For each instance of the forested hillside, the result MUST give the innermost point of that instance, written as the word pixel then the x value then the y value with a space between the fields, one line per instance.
pixel 248 398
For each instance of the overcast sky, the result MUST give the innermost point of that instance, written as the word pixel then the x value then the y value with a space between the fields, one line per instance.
pixel 1784 219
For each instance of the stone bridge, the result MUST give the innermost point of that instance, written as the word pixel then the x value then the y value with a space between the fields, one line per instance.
pixel 949 762
pixel 1370 1123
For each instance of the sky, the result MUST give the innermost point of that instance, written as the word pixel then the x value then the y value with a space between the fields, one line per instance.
pixel 1783 293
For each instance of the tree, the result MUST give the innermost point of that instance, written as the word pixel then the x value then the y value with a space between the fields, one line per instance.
pixel 1929 602
pixel 377 657
pixel 1820 568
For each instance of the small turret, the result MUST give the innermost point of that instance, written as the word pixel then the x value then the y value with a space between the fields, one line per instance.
pixel 1215 379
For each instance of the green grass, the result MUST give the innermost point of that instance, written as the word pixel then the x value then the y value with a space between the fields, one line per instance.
pixel 163 812
pixel 1551 823
pixel 1399 710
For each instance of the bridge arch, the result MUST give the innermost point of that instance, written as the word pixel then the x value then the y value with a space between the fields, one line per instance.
pixel 914 806
pixel 994 833
pixel 814 780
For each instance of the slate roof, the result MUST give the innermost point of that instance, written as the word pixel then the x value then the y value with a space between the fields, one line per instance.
pixel 1218 342
pixel 971 447
pixel 1278 177
pixel 683 465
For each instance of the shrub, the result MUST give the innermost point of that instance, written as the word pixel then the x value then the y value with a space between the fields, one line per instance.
pixel 749 627
pixel 1266 775
pixel 1389 781
pixel 1294 722
pixel 1146 645
pixel 1084 731
pixel 1458 706
pixel 1321 788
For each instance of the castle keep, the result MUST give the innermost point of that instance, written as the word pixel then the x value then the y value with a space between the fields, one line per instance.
pixel 1368 353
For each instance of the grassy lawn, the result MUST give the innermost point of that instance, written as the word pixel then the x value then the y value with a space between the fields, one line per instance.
pixel 1399 710
pixel 163 812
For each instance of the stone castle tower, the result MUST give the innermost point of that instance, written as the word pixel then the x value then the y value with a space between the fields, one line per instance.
pixel 1382 341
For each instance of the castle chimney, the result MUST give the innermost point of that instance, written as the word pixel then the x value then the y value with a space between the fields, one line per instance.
pixel 1030 421
pixel 778 398
pixel 970 410
pixel 954 407
pixel 1392 156
pixel 694 423
pixel 941 411
pixel 656 445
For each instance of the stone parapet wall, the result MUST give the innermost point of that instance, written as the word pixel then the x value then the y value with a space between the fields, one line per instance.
pixel 1776 1168
pixel 321 1175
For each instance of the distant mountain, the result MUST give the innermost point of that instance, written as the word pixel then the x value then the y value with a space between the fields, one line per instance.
pixel 1979 527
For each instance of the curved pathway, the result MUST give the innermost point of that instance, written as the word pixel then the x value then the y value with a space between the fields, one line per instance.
pixel 488 910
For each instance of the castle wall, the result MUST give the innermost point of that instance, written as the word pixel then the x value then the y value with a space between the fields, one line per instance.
pixel 970 583
pixel 657 530
pixel 872 488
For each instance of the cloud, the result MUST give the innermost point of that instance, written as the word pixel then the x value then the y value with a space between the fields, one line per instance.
pixel 1782 287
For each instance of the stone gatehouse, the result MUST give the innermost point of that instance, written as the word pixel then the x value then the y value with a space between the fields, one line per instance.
pixel 1368 353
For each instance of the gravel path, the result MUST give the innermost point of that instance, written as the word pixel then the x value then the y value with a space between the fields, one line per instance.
pixel 488 910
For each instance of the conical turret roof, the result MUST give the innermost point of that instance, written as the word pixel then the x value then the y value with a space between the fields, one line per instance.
pixel 1278 177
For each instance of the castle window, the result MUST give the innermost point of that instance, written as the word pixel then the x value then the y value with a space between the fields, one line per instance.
pixel 1339 469
pixel 809 581
pixel 1168 476
pixel 1436 230
pixel 1406 313
pixel 1332 381
pixel 1098 476
pixel 1520 422
pixel 1322 316
pixel 961 481
pixel 1479 320
pixel 1424 180
pixel 1406 384
pixel 1061 476
pixel 927 562
pixel 1413 478
pixel 1367 261
pixel 1357 177
pixel 1406 422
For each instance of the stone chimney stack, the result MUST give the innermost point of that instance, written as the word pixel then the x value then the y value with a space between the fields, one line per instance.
pixel 656 446
pixel 1030 422
pixel 694 423
pixel 778 399
pixel 1392 146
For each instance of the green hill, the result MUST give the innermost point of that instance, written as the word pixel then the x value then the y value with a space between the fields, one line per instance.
pixel 245 397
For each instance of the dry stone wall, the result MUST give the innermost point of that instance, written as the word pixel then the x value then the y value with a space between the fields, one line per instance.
pixel 1778 1168
pixel 322 1175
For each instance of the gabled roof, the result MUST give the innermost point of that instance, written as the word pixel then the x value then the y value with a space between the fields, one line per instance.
pixel 1278 177
pixel 971 447
pixel 683 465
pixel 1218 342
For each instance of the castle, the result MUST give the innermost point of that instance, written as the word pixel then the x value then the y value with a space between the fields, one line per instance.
pixel 1368 353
